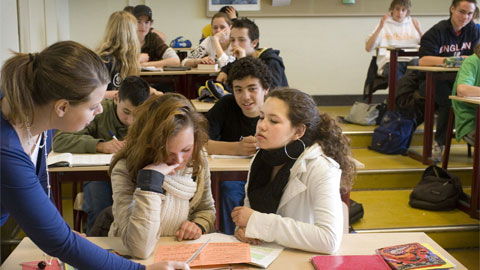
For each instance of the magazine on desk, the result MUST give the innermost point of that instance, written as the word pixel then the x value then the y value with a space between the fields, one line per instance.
pixel 78 160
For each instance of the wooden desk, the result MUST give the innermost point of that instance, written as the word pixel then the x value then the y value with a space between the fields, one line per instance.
pixel 352 244
pixel 473 207
pixel 221 170
pixel 202 107
pixel 433 74
pixel 183 80
pixel 395 52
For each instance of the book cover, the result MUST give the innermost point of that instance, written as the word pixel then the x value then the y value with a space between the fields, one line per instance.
pixel 349 262
pixel 410 256
pixel 207 66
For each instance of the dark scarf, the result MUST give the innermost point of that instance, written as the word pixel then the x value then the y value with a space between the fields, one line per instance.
pixel 264 195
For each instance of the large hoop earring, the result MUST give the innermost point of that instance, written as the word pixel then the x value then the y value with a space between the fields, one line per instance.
pixel 286 153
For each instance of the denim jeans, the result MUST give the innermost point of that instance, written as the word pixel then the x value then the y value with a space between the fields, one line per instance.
pixel 97 195
pixel 232 194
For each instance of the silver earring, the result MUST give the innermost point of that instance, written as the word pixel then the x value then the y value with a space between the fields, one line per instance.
pixel 286 153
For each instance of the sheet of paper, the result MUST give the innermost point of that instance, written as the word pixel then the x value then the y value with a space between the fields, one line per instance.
pixel 212 254
pixel 56 158
pixel 91 159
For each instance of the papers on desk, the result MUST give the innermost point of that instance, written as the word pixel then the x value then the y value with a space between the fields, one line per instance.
pixel 78 160
pixel 262 255
pixel 152 68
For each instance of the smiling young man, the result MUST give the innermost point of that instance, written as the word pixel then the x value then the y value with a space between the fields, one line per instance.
pixel 97 137
pixel 232 123
pixel 456 36
pixel 245 39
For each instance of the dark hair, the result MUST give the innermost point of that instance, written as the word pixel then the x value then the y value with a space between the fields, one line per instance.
pixel 455 3
pixel 222 15
pixel 64 70
pixel 128 9
pixel 249 66
pixel 156 120
pixel 403 3
pixel 224 10
pixel 253 32
pixel 134 89
pixel 320 128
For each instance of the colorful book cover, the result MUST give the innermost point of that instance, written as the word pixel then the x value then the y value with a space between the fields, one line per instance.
pixel 349 262
pixel 410 256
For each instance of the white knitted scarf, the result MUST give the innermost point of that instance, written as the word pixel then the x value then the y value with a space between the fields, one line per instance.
pixel 176 205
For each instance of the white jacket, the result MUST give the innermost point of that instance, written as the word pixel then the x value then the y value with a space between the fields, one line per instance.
pixel 309 216
pixel 207 48
pixel 393 33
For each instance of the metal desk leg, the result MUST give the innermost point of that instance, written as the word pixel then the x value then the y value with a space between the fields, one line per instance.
pixel 429 117
pixel 56 190
pixel 475 202
pixel 392 79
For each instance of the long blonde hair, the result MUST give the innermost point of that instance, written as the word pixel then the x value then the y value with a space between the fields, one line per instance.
pixel 120 41
pixel 157 120
pixel 64 70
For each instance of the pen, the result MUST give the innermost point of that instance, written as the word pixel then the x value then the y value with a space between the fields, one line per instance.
pixel 113 135
pixel 197 252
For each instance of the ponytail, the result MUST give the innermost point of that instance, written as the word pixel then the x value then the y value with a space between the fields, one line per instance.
pixel 64 70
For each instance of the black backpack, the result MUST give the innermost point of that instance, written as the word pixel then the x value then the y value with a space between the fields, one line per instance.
pixel 437 190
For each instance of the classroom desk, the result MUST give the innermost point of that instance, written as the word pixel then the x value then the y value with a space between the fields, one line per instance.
pixel 352 244
pixel 395 52
pixel 473 207
pixel 221 170
pixel 432 75
pixel 183 80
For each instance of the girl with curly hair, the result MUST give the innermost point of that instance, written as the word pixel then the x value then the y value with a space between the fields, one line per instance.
pixel 160 178
pixel 295 180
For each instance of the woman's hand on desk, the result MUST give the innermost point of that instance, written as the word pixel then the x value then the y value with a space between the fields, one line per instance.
pixel 205 60
pixel 110 147
pixel 247 146
pixel 170 265
pixel 240 234
pixel 188 230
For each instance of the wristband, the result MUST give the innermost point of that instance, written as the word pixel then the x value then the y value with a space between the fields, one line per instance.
pixel 150 180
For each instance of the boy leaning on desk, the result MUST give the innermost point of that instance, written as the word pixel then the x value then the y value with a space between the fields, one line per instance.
pixel 104 135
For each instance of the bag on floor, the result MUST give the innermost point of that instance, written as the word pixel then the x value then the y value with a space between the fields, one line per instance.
pixel 363 114
pixel 437 190
pixel 393 135
pixel 355 212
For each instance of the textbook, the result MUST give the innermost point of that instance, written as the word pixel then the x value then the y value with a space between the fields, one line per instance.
pixel 207 66
pixel 151 68
pixel 349 262
pixel 78 160
pixel 413 256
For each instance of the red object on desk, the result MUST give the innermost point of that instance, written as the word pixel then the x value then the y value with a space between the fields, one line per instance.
pixel 349 262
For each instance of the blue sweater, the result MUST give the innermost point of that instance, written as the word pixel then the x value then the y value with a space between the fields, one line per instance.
pixel 23 195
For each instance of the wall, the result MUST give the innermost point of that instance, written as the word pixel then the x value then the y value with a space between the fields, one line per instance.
pixel 322 55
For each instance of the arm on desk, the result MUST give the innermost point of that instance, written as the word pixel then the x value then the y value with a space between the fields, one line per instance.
pixel 245 147
pixel 466 78
pixel 169 58
pixel 325 234
pixel 431 60
pixel 465 90
pixel 204 212
pixel 79 142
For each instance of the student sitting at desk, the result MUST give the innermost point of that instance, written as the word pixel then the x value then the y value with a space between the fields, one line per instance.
pixel 98 137
pixel 154 52
pixel 61 88
pixel 396 28
pixel 160 34
pixel 456 36
pixel 467 84
pixel 231 125
pixel 295 180
pixel 120 49
pixel 231 12
pixel 244 39
pixel 160 179
pixel 215 48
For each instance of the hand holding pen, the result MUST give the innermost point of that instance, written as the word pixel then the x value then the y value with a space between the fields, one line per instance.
pixel 111 146
pixel 247 146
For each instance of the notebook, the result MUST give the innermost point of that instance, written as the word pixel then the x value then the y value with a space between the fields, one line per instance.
pixel 412 256
pixel 349 262
pixel 207 67
pixel 78 160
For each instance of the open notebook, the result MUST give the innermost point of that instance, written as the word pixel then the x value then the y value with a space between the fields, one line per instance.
pixel 78 160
